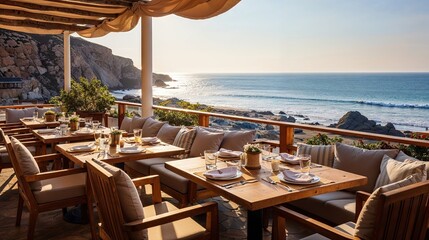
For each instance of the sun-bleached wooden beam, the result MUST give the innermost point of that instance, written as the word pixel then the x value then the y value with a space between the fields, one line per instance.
pixel 49 18
pixel 102 2
pixel 38 7
pixel 41 25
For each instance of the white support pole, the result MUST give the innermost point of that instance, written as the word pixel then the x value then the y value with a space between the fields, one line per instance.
pixel 146 61
pixel 67 62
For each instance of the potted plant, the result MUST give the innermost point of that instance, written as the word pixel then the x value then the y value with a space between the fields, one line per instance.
pixel 88 98
pixel 74 123
pixel 50 116
pixel 252 154
pixel 115 136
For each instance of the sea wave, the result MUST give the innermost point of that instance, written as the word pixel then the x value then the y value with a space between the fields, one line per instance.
pixel 371 103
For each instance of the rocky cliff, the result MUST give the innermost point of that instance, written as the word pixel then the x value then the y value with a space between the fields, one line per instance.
pixel 38 60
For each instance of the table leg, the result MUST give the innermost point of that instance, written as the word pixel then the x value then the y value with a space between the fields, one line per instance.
pixel 254 224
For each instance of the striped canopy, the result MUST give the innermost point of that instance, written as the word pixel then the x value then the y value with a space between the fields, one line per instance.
pixel 96 18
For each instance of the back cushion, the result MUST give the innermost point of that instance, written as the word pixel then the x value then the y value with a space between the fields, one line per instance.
pixel 392 171
pixel 361 161
pixel 151 127
pixel 184 139
pixel 132 207
pixel 137 123
pixel 26 162
pixel 402 157
pixel 365 224
pixel 168 133
pixel 205 140
pixel 13 115
pixel 321 154
pixel 126 124
pixel 235 140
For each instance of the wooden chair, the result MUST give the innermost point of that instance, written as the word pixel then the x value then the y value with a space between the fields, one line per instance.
pixel 161 220
pixel 27 139
pixel 47 191
pixel 400 214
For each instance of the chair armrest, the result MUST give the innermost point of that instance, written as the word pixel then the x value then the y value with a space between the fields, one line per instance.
pixel 23 135
pixel 53 174
pixel 207 208
pixel 16 131
pixel 361 198
pixel 322 228
pixel 154 181
pixel 48 157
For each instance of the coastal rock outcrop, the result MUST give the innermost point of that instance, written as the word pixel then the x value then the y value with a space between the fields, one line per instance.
pixel 354 120
pixel 39 61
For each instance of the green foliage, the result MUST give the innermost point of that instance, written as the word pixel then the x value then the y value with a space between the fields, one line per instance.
pixel 180 118
pixel 372 145
pixel 114 113
pixel 421 153
pixel 85 95
pixel 49 112
pixel 323 139
pixel 252 148
pixel 74 119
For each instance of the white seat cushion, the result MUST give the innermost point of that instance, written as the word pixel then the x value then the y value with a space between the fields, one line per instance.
pixel 13 115
pixel 143 166
pixel 61 188
pixel 182 229
pixel 151 127
pixel 205 140
pixel 348 227
pixel 26 161
pixel 168 133
pixel 321 154
pixel 184 139
pixel 126 125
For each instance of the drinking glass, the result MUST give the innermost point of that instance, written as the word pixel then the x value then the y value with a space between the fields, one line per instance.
pixel 63 129
pixel 265 151
pixel 305 163
pixel 88 122
pixel 35 115
pixel 95 124
pixel 97 136
pixel 137 135
pixel 210 159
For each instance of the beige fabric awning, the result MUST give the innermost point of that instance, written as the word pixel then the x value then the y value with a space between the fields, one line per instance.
pixel 96 18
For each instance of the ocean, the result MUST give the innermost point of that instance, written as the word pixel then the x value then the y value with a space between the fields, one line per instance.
pixel 399 98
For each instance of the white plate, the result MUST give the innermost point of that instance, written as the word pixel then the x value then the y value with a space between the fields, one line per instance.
pixel 78 132
pixel 316 179
pixel 239 174
pixel 46 131
pixel 130 150
pixel 82 148
pixel 27 119
pixel 150 140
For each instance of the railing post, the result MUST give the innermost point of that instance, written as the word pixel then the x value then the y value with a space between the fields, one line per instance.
pixel 286 138
pixel 121 113
pixel 203 120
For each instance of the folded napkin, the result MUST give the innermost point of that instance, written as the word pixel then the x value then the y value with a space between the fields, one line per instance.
pixel 149 139
pixel 289 158
pixel 133 149
pixel 85 147
pixel 228 172
pixel 226 153
pixel 296 177
pixel 45 131
pixel 84 131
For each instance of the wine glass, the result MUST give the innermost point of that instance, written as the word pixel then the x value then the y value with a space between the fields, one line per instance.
pixel 95 124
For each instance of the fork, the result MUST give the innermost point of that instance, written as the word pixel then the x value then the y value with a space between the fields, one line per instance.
pixel 269 180
pixel 240 183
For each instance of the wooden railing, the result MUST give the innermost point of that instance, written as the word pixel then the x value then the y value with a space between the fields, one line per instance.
pixel 286 135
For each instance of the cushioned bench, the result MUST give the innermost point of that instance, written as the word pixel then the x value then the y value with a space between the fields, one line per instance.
pixel 380 166
pixel 194 141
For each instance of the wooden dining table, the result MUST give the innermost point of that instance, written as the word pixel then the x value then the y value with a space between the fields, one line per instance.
pixel 54 137
pixel 113 155
pixel 258 195
pixel 38 123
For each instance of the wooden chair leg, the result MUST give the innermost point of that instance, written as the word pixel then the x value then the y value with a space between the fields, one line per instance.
pixel 278 229
pixel 19 210
pixel 32 225
pixel 266 217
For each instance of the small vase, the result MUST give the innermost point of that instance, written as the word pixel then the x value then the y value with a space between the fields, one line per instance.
pixel 49 118
pixel 115 139
pixel 253 160
pixel 74 126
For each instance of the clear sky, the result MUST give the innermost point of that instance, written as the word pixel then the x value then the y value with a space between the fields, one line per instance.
pixel 289 36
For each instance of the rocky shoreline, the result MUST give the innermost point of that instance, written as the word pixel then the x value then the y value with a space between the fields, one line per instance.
pixel 352 120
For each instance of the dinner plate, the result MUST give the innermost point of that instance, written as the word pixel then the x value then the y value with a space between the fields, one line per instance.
pixel 130 150
pixel 27 119
pixel 316 179
pixel 150 140
pixel 82 148
pixel 46 131
pixel 83 132
pixel 239 174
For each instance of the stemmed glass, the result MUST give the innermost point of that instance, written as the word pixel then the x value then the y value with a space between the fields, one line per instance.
pixel 88 122
pixel 95 124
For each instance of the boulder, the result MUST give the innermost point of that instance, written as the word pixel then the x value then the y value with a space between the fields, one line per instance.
pixel 354 120
pixel 283 118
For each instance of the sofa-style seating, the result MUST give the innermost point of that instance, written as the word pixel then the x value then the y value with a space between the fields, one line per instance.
pixel 13 115
pixel 380 166
pixel 194 141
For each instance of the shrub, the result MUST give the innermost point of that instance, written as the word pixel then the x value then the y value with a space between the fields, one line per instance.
pixel 180 118
pixel 323 139
pixel 85 95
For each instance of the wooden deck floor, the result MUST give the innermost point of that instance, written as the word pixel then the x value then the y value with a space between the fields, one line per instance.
pixel 50 225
